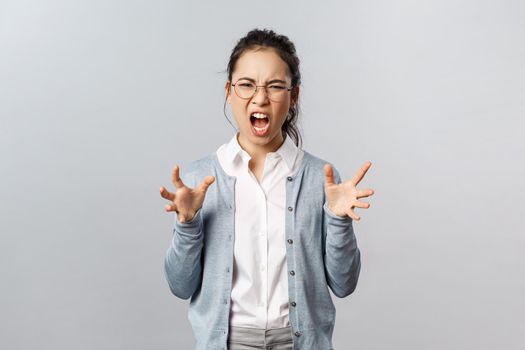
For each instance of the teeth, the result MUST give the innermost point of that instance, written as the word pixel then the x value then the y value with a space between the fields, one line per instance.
pixel 261 129
pixel 259 115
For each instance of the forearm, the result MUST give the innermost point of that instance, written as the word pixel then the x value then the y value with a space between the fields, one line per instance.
pixel 182 264
pixel 342 256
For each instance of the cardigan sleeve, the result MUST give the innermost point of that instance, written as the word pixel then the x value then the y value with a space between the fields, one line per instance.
pixel 182 263
pixel 342 257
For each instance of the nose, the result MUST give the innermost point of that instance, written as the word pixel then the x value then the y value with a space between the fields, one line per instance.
pixel 262 97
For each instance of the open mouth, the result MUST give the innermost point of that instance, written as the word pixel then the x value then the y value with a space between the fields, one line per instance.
pixel 260 123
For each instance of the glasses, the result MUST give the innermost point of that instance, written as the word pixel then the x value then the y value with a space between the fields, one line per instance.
pixel 276 92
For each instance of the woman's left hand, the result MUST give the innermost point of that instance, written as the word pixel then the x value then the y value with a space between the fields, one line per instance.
pixel 343 198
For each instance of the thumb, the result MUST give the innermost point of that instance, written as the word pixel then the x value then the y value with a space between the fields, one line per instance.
pixel 208 180
pixel 328 175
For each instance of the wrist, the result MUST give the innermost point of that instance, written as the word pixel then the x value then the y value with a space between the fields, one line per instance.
pixel 188 218
pixel 335 214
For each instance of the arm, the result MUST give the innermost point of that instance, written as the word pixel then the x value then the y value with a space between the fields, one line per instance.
pixel 182 264
pixel 342 258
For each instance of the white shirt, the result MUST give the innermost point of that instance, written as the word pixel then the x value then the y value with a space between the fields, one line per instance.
pixel 259 296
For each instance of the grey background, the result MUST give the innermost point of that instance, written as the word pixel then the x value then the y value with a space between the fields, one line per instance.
pixel 99 99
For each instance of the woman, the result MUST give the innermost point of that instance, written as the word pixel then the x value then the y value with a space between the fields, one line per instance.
pixel 263 228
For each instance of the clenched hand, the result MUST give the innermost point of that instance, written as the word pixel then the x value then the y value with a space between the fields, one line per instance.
pixel 186 201
pixel 343 198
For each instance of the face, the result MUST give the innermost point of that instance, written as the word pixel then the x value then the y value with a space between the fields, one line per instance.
pixel 262 67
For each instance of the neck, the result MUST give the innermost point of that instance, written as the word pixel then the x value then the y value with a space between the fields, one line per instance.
pixel 259 151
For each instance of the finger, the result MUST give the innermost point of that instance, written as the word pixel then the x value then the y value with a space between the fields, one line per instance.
pixel 353 215
pixel 175 177
pixel 208 180
pixel 328 175
pixel 166 194
pixel 365 193
pixel 171 207
pixel 361 204
pixel 359 175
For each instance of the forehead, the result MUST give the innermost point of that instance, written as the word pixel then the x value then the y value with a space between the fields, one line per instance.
pixel 261 64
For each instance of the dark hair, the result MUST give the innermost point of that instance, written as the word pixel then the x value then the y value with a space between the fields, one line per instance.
pixel 265 38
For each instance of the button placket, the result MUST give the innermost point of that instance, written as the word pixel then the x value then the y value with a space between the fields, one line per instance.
pixel 263 253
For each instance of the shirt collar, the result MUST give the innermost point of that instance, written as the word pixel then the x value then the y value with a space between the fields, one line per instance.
pixel 288 151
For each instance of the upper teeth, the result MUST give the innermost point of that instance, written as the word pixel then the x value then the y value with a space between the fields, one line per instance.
pixel 259 115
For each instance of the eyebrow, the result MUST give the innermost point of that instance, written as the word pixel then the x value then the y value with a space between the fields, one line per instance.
pixel 269 82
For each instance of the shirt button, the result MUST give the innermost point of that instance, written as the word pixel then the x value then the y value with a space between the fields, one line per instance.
pixel 263 267
pixel 293 303
pixel 290 241
pixel 292 272
pixel 297 334
pixel 289 178
pixel 290 208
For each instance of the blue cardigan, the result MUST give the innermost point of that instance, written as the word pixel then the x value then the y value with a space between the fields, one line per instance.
pixel 321 252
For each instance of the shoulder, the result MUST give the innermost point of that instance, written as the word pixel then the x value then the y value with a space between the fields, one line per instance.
pixel 197 169
pixel 314 166
pixel 202 164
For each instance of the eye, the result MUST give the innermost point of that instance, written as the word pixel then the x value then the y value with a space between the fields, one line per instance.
pixel 277 87
pixel 245 84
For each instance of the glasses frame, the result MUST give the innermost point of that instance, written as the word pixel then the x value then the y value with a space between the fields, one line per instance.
pixel 255 91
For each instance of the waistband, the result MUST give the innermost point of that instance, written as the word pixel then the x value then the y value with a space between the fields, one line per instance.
pixel 258 336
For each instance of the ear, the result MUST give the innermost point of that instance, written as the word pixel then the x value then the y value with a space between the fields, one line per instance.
pixel 227 89
pixel 295 96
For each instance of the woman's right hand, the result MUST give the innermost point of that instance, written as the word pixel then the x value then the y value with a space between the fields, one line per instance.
pixel 186 201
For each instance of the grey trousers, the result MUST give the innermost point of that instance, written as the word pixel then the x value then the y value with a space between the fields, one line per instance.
pixel 241 338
